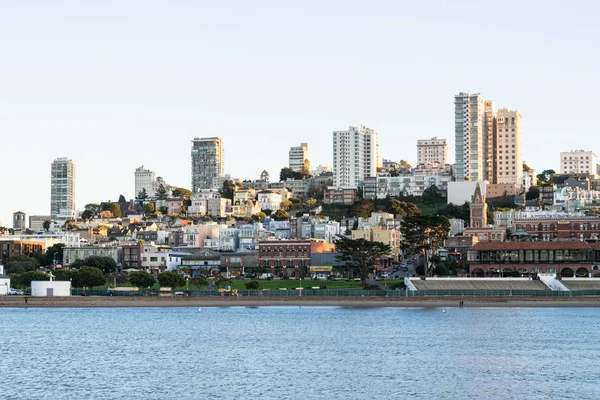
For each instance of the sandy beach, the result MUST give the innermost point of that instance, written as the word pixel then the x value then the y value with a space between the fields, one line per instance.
pixel 102 301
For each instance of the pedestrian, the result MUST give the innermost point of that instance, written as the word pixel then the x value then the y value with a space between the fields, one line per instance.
pixel 26 299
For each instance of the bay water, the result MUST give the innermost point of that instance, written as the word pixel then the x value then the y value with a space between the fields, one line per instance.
pixel 300 353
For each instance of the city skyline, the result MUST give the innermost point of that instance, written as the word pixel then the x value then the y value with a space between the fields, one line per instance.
pixel 92 101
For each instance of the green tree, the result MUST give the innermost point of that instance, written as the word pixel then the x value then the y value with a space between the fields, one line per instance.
pixel 310 203
pixel 149 208
pixel 259 217
pixel 252 285
pixel 93 207
pixel 432 195
pixel 199 282
pixel 21 264
pixel 142 194
pixel 362 209
pixel 141 279
pixel 113 208
pixel 545 176
pixel 286 204
pixel 181 192
pixel 46 224
pixel 402 208
pixel 87 215
pixel 122 199
pixel 533 193
pixel 281 215
pixel 65 275
pixel 170 279
pixel 228 189
pixel 161 192
pixel 24 280
pixel 54 253
pixel 361 256
pixel 105 264
pixel 421 233
pixel 89 277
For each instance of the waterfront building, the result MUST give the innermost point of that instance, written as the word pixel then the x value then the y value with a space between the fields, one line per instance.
pixel 578 162
pixel 431 151
pixel 355 156
pixel 207 161
pixel 62 189
pixel 300 157
pixel 284 257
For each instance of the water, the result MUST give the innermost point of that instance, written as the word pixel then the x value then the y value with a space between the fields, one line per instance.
pixel 299 353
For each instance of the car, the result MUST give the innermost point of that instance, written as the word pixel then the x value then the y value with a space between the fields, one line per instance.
pixel 265 276
pixel 13 291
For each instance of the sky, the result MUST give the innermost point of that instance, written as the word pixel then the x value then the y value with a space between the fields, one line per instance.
pixel 114 85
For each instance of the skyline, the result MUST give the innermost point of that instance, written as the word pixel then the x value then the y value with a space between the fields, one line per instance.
pixel 139 92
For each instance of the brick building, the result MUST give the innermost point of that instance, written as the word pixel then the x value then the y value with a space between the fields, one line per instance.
pixel 560 227
pixel 284 257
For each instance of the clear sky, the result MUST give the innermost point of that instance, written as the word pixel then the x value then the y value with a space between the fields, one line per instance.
pixel 117 84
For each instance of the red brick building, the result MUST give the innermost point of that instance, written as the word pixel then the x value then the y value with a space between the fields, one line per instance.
pixel 558 228
pixel 567 258
pixel 284 257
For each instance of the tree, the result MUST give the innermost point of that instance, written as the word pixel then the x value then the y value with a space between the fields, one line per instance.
pixel 54 253
pixel 533 193
pixel 252 285
pixel 199 282
pixel 149 208
pixel 24 280
pixel 362 209
pixel 404 163
pixel 65 275
pixel 86 215
pixel 310 203
pixel 546 176
pixel 89 277
pixel 113 208
pixel 281 215
pixel 161 192
pixel 288 173
pixel 170 279
pixel 105 264
pixel 142 194
pixel 21 264
pixel 264 176
pixel 402 208
pixel 424 234
pixel 361 256
pixel 122 199
pixel 432 195
pixel 228 189
pixel 46 225
pixel 141 279
pixel 259 217
pixel 181 192
pixel 286 204
pixel 305 172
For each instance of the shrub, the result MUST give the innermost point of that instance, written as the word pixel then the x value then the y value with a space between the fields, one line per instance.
pixel 252 285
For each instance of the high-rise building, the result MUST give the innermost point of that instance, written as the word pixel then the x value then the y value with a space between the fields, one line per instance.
pixel 432 150
pixel 207 161
pixel 62 189
pixel 300 157
pixel 355 156
pixel 482 145
pixel 144 179
pixel 508 148
pixel 578 162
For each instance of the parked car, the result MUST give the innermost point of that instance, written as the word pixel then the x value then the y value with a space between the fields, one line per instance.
pixel 13 291
pixel 265 276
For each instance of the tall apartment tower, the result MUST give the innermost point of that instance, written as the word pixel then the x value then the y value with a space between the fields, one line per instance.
pixel 355 156
pixel 144 179
pixel 469 116
pixel 300 157
pixel 578 162
pixel 509 148
pixel 207 161
pixel 62 189
pixel 432 150
pixel 489 145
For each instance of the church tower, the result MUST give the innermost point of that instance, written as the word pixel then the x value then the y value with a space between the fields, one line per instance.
pixel 478 209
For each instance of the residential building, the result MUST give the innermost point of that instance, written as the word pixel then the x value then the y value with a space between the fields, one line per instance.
pixel 382 234
pixel 219 207
pixel 174 206
pixel 299 187
pixel 199 202
pixel 508 153
pixel 71 254
pixel 432 150
pixel 269 200
pixel 132 256
pixel 578 162
pixel 340 196
pixel 314 227
pixel 470 123
pixel 62 189
pixel 414 182
pixel 145 179
pixel 322 169
pixel 559 227
pixel 207 161
pixel 300 157
pixel 284 257
pixel 229 239
pixel 36 222
pixel 501 189
pixel 12 247
pixel 19 223
pixel 355 156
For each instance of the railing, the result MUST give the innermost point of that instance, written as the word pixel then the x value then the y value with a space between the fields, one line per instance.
pixel 349 293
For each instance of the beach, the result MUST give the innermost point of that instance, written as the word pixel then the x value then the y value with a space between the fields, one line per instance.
pixel 104 301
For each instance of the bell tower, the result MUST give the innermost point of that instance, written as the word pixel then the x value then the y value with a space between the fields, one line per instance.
pixel 478 209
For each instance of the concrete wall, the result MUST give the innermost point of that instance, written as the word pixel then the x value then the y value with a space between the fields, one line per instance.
pixel 461 192
pixel 40 288
pixel 4 286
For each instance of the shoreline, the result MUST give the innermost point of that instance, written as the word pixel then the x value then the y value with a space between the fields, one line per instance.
pixel 363 302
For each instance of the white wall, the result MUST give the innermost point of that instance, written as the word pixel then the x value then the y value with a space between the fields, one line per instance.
pixel 61 288
pixel 4 286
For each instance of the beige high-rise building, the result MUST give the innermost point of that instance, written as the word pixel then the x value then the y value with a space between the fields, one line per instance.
pixel 578 162
pixel 355 156
pixel 481 141
pixel 300 157
pixel 432 150
pixel 509 148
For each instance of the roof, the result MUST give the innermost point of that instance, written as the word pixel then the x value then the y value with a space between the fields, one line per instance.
pixel 557 245
pixel 4 277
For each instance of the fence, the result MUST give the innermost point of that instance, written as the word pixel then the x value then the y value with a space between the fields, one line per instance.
pixel 349 293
